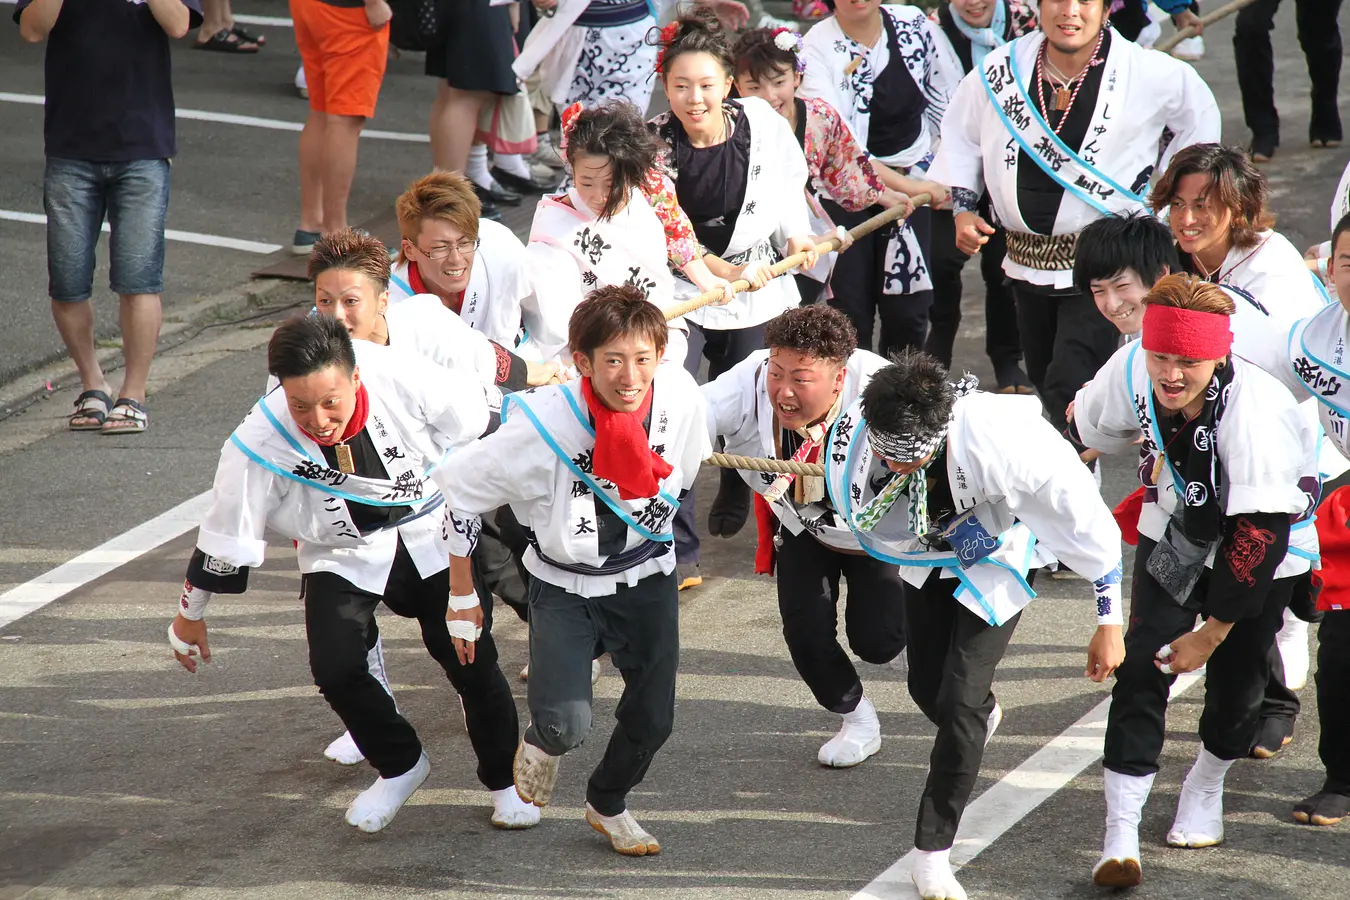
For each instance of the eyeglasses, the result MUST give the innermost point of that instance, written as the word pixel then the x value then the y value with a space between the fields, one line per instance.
pixel 464 248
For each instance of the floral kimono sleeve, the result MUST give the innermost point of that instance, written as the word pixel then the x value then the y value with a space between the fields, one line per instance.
pixel 838 164
pixel 682 245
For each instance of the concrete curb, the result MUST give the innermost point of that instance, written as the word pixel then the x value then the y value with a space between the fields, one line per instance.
pixel 181 324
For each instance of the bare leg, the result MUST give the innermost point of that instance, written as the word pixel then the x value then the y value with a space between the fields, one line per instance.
pixel 140 320
pixel 454 119
pixel 75 322
pixel 311 171
pixel 341 136
pixel 215 16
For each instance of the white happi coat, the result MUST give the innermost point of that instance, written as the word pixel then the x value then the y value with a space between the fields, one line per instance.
pixel 499 286
pixel 739 411
pixel 539 461
pixel 571 252
pixel 992 115
pixel 1032 494
pixel 272 475
pixel 1275 273
pixel 553 48
pixel 1316 367
pixel 423 325
pixel 1266 448
pixel 1340 208
pixel 774 209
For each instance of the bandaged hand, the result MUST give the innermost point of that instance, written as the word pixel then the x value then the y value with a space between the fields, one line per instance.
pixel 187 638
pixel 1192 650
pixel 757 273
pixel 804 244
pixel 464 621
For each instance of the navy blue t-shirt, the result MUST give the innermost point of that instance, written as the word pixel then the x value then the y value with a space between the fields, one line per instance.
pixel 109 82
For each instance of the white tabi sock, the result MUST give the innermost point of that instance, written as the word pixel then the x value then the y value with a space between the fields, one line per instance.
pixel 1125 799
pixel 375 807
pixel 991 724
pixel 1292 640
pixel 511 812
pixel 476 170
pixel 934 878
pixel 536 773
pixel 625 835
pixel 858 738
pixel 513 163
pixel 344 751
pixel 1199 821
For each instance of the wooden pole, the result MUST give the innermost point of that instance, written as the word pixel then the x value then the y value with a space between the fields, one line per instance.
pixel 880 220
pixel 1223 12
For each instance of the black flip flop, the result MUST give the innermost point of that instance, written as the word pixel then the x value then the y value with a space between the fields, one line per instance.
pixel 90 405
pixel 225 41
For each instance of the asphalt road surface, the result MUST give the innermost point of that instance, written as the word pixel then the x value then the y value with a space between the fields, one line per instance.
pixel 121 776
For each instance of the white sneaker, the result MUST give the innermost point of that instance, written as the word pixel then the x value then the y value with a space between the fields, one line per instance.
pixel 301 85
pixel 858 738
pixel 933 876
pixel 344 751
pixel 1125 797
pixel 625 835
pixel 1191 49
pixel 536 773
pixel 1292 640
pixel 547 154
pixel 375 807
pixel 595 671
pixel 512 813
pixel 995 719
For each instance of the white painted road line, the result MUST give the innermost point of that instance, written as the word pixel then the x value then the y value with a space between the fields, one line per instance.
pixel 51 586
pixel 1014 797
pixel 186 237
pixel 275 21
pixel 202 115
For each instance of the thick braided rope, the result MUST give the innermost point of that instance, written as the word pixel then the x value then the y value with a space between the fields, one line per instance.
pixel 760 464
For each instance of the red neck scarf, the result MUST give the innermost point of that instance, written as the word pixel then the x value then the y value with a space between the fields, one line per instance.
pixel 622 454
pixel 420 287
pixel 354 424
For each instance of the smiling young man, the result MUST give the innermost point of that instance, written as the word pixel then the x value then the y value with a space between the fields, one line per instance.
pixel 779 403
pixel 594 470
pixel 1229 471
pixel 921 471
pixel 335 458
pixel 1062 127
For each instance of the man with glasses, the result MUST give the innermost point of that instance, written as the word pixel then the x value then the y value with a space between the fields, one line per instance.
pixel 474 265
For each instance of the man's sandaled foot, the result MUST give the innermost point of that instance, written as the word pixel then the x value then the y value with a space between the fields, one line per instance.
pixel 91 411
pixel 536 773
pixel 226 41
pixel 1323 808
pixel 127 416
pixel 511 813
pixel 375 807
pixel 246 36
pixel 625 835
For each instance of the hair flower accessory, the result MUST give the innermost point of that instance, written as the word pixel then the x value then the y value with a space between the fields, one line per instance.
pixel 664 39
pixel 789 41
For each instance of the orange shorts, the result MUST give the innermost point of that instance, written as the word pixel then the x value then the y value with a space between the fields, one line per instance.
pixel 344 58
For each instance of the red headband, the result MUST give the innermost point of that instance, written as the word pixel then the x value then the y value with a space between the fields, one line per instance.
pixel 1187 333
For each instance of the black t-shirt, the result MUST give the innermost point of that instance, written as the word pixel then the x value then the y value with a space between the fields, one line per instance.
pixel 711 184
pixel 1038 195
pixel 109 82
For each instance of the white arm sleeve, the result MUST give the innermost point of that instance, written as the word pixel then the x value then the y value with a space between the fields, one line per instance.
pixel 1103 410
pixel 960 162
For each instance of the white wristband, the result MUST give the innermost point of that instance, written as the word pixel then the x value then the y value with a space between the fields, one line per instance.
pixel 192 604
pixel 464 630
pixel 178 644
pixel 468 601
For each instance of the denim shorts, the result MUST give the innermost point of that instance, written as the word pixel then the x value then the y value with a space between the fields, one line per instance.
pixel 77 195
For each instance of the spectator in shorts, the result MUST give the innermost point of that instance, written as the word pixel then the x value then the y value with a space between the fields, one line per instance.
pixel 344 45
pixel 109 135
pixel 221 33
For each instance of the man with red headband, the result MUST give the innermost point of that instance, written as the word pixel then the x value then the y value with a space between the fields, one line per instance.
pixel 336 459
pixel 594 470
pixel 1229 468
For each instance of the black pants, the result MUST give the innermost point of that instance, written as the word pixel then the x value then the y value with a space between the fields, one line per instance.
pixel 1333 698
pixel 501 545
pixel 809 288
pixel 1235 680
pixel 859 280
pixel 952 657
pixel 639 627
pixel 723 349
pixel 340 624
pixel 1065 339
pixel 808 600
pixel 1320 37
pixel 1001 340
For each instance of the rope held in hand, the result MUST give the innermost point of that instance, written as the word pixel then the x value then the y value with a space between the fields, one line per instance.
pixel 760 464
pixel 1223 12
pixel 880 220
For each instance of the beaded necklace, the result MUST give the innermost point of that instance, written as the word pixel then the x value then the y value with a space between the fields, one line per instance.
pixel 1064 99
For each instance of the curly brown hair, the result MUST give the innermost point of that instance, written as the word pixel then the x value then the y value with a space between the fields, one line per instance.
pixel 1234 182
pixel 820 331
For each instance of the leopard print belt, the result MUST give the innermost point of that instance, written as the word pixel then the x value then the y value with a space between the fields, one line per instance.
pixel 1046 252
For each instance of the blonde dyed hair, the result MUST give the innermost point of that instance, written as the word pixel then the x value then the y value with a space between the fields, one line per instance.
pixel 443 195
pixel 1183 291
